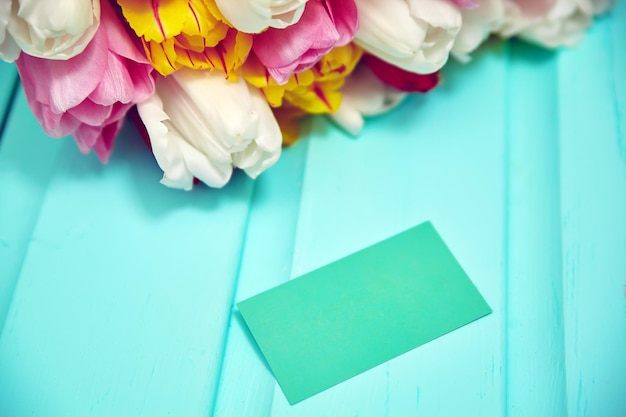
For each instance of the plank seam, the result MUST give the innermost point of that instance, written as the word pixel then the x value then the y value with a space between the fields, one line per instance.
pixel 233 295
pixel 6 310
pixel 559 231
pixel 520 187
pixel 506 232
pixel 620 113
pixel 312 125
pixel 12 97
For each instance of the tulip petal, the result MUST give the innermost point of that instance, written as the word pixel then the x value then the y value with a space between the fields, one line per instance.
pixel 535 8
pixel 179 160
pixel 155 20
pixel 325 24
pixel 100 138
pixel 166 151
pixel 87 136
pixel 116 84
pixel 202 125
pixel 279 48
pixel 200 39
pixel 43 29
pixel 54 124
pixel 88 95
pixel 53 20
pixel 118 37
pixel 388 29
pixel 253 16
pixel 345 16
pixel 107 135
pixel 565 25
pixel 406 81
pixel 478 24
pixel 5 14
pixel 91 113
pixel 225 118
pixel 364 95
pixel 9 51
pixel 67 83
pixel 415 35
pixel 466 4
pixel 265 150
pixel 438 14
pixel 186 101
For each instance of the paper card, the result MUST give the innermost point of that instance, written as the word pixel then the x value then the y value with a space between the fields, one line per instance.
pixel 360 311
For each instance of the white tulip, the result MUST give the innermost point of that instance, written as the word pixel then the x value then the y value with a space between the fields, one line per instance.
pixel 202 125
pixel 478 23
pixel 415 35
pixel 47 29
pixel 9 51
pixel 364 94
pixel 566 23
pixel 597 6
pixel 563 25
pixel 253 16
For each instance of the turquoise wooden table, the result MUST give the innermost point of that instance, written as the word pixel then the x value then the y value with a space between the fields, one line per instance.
pixel 117 294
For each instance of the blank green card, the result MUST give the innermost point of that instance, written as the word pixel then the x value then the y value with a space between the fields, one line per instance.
pixel 360 311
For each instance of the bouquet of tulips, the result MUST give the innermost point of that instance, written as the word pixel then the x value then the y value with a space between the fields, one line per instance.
pixel 220 84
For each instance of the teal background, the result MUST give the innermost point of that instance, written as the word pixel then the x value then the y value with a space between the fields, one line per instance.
pixel 117 294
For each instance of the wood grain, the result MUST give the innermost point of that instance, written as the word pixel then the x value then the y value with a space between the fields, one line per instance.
pixel 119 293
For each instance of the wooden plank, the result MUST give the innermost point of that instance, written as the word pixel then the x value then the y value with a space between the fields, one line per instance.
pixel 593 202
pixel 436 158
pixel 125 291
pixel 8 80
pixel 247 386
pixel 535 372
pixel 125 288
pixel 27 158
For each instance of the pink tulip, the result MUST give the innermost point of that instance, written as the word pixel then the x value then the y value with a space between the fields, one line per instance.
pixel 324 25
pixel 88 95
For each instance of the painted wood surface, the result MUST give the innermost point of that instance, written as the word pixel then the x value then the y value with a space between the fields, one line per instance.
pixel 8 80
pixel 117 294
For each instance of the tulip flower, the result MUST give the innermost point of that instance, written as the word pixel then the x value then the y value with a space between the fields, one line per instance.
pixel 563 24
pixel 532 8
pixel 186 33
pixel 415 35
pixel 519 14
pixel 88 95
pixel 364 95
pixel 478 23
pixel 406 81
pixel 9 51
pixel 47 29
pixel 253 16
pixel 202 125
pixel 315 90
pixel 325 24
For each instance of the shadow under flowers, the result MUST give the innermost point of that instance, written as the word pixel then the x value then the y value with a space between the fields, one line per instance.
pixel 134 169
pixel 512 49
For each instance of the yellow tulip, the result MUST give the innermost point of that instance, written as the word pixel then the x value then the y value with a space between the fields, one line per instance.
pixel 315 90
pixel 186 33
